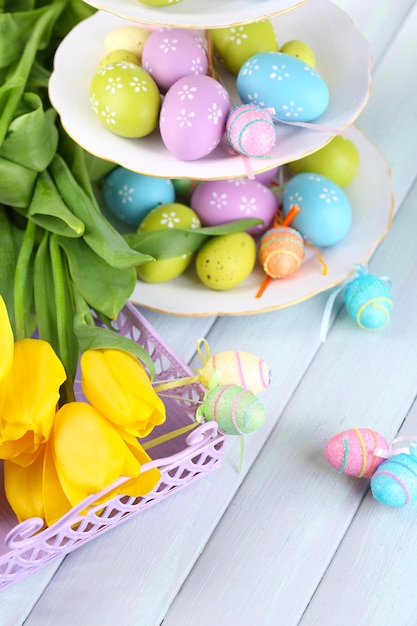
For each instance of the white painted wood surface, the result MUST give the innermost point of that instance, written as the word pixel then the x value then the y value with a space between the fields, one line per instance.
pixel 287 541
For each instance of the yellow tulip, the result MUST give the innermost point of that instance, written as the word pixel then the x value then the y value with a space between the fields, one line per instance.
pixel 23 488
pixel 117 385
pixel 30 397
pixel 6 342
pixel 89 453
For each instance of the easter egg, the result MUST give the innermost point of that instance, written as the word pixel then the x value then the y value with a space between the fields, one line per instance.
pixel 238 368
pixel 225 261
pixel 172 53
pixel 159 3
pixel 395 481
pixel 325 215
pixel 130 38
pixel 352 451
pixel 284 83
pixel 250 130
pixel 220 201
pixel 193 116
pixel 167 216
pixel 130 196
pixel 369 302
pixel 119 56
pixel 125 99
pixel 301 50
pixel 338 160
pixel 267 177
pixel 281 251
pixel 236 411
pixel 236 44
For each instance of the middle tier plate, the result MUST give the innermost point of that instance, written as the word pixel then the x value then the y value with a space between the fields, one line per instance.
pixel 343 60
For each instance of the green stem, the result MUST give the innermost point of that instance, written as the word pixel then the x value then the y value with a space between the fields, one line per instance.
pixel 22 264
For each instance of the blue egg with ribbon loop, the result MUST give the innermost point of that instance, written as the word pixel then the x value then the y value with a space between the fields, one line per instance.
pixel 291 87
pixel 368 300
pixel 395 481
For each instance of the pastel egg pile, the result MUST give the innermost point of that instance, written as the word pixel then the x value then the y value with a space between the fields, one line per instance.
pixel 364 453
pixel 165 79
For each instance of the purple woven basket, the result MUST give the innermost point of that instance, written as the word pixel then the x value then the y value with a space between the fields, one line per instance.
pixel 26 547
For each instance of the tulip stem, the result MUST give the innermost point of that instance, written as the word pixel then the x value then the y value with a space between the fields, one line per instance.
pixel 21 275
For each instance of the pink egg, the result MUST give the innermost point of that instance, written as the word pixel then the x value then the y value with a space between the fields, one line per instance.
pixel 352 452
pixel 171 53
pixel 193 116
pixel 220 201
pixel 250 130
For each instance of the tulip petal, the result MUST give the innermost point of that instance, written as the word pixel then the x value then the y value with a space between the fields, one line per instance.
pixel 23 488
pixel 6 342
pixel 56 504
pixel 116 383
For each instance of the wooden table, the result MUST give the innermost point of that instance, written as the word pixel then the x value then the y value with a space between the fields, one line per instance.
pixel 288 540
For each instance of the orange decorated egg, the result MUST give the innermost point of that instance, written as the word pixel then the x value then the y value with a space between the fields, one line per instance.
pixel 281 251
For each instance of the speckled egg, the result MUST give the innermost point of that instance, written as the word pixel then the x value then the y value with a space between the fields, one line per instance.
pixel 301 50
pixel 125 99
pixel 172 53
pixel 226 261
pixel 193 116
pixel 220 201
pixel 119 56
pixel 167 216
pixel 325 215
pixel 291 87
pixel 130 196
pixel 130 38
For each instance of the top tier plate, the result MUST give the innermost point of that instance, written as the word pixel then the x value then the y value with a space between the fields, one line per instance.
pixel 197 13
pixel 343 60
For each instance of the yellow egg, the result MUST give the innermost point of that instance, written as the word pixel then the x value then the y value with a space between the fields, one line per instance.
pixel 225 261
pixel 117 56
pixel 130 38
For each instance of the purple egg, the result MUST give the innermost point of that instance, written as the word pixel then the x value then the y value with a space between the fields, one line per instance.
pixel 220 201
pixel 268 177
pixel 193 116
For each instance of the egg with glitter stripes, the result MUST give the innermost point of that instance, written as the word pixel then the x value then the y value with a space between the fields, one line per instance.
pixel 369 302
pixel 238 368
pixel 395 481
pixel 250 130
pixel 235 410
pixel 352 451
pixel 281 251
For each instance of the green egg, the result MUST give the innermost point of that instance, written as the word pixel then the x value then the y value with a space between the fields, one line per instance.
pixel 125 99
pixel 119 56
pixel 236 44
pixel 159 3
pixel 165 216
pixel 301 50
pixel 225 261
pixel 338 160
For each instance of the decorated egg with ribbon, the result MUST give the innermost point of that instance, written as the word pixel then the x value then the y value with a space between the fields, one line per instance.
pixel 220 201
pixel 235 410
pixel 368 301
pixel 172 53
pixel 250 130
pixel 395 481
pixel 291 87
pixel 281 250
pixel 193 116
pixel 239 368
pixel 325 215
pixel 355 451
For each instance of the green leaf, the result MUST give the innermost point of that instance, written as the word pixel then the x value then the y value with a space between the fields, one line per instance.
pixel 8 262
pixel 104 288
pixel 49 211
pixel 16 183
pixel 172 242
pixel 32 138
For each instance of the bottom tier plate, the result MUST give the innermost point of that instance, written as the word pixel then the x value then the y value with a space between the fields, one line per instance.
pixel 372 202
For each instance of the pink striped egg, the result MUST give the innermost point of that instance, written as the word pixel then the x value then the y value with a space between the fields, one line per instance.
pixel 238 368
pixel 352 451
pixel 236 411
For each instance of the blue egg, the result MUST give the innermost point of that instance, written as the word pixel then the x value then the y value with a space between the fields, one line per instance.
pixel 130 196
pixel 285 83
pixel 325 216
pixel 395 481
pixel 369 302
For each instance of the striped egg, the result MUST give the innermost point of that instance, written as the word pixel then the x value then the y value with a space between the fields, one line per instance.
pixel 281 251
pixel 369 302
pixel 236 411
pixel 238 368
pixel 250 130
pixel 395 481
pixel 352 451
